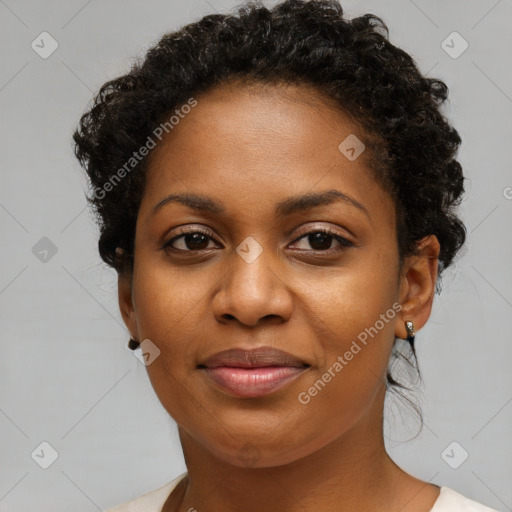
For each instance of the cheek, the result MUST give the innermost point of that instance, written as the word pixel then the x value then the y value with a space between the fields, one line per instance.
pixel 166 303
pixel 349 383
pixel 167 309
pixel 353 300
pixel 353 318
pixel 165 312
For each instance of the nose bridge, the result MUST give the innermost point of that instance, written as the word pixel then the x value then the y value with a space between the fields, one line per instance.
pixel 251 271
pixel 252 265
pixel 253 288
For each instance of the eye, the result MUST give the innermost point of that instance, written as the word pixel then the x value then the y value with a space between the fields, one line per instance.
pixel 190 240
pixel 193 239
pixel 320 239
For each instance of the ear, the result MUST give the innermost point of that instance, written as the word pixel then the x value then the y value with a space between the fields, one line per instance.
pixel 124 291
pixel 417 285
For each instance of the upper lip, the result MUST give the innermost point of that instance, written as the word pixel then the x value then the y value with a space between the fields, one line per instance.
pixel 254 358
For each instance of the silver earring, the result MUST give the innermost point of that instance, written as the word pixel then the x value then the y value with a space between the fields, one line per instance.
pixel 409 327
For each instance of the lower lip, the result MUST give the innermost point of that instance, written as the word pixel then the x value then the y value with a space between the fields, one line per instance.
pixel 253 382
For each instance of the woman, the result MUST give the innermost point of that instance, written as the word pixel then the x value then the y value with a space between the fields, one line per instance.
pixel 277 192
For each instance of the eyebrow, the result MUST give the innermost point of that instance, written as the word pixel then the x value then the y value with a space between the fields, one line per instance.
pixel 287 207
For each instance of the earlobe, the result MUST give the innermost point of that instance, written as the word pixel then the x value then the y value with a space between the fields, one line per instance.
pixel 418 283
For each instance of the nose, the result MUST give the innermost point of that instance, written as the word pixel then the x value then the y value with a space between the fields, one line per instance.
pixel 253 293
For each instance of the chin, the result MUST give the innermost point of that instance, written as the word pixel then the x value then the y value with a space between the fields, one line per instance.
pixel 255 456
pixel 264 449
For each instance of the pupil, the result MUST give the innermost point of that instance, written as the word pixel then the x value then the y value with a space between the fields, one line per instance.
pixel 319 239
pixel 196 241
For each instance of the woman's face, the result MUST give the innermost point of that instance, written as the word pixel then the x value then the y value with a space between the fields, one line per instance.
pixel 259 274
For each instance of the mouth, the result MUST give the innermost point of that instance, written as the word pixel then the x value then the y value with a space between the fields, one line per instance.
pixel 252 373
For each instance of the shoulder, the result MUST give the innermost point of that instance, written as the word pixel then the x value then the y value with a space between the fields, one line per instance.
pixel 451 501
pixel 152 501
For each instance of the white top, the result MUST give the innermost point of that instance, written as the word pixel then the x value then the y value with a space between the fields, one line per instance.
pixel 448 501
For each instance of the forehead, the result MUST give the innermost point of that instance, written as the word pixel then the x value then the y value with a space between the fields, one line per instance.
pixel 249 145
pixel 277 117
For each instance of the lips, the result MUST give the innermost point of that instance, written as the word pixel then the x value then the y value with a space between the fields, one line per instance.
pixel 252 373
pixel 256 358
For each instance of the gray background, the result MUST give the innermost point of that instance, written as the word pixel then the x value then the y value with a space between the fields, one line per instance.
pixel 66 376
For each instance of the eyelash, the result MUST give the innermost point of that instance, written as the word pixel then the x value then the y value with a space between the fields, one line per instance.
pixel 344 243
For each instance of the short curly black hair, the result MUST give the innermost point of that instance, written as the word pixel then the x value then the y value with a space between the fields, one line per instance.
pixel 352 62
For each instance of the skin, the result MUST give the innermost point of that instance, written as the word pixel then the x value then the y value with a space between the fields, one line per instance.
pixel 249 148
